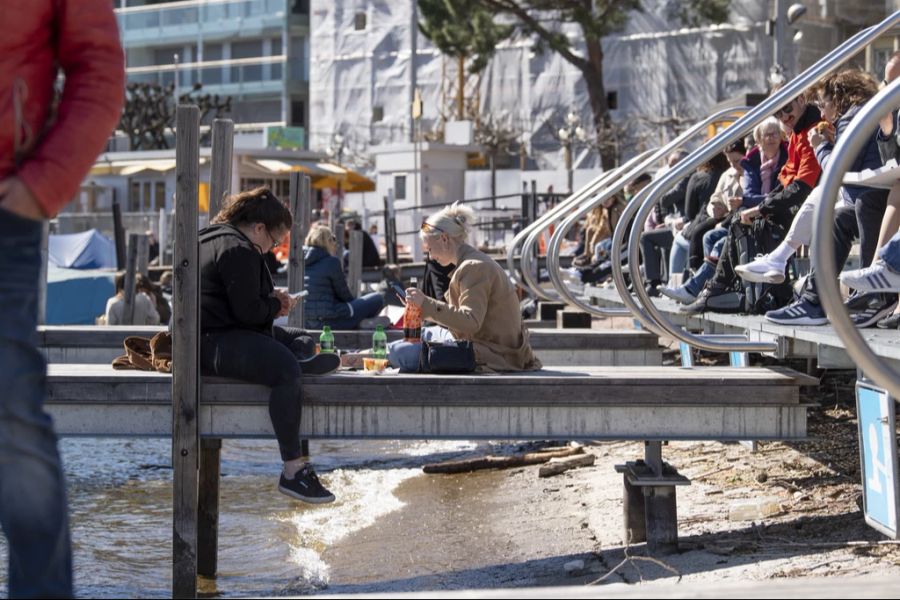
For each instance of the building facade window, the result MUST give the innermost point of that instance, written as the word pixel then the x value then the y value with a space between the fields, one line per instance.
pixel 146 195
pixel 359 21
pixel 399 187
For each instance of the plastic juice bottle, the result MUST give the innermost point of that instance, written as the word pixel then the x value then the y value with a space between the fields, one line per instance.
pixel 412 319
pixel 326 340
pixel 379 342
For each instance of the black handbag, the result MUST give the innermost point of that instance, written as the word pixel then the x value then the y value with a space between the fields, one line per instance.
pixel 449 357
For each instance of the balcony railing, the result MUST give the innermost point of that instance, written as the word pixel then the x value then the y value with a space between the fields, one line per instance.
pixel 233 72
pixel 193 14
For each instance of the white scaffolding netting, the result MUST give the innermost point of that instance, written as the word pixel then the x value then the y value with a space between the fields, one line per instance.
pixel 360 80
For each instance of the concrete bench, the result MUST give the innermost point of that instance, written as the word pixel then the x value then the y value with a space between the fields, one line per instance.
pixel 94 344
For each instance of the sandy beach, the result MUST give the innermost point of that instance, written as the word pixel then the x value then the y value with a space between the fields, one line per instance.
pixel 512 529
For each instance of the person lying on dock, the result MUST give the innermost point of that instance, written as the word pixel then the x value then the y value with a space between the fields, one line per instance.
pixel 238 305
pixel 481 303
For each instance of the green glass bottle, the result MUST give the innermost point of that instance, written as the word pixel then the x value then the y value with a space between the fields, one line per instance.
pixel 379 342
pixel 326 340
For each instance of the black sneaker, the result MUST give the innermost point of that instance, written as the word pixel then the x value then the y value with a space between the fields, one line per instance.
pixel 305 486
pixel 891 322
pixel 714 299
pixel 867 309
pixel 321 364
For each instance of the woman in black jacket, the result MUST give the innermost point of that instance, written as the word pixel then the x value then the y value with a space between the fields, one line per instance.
pixel 238 304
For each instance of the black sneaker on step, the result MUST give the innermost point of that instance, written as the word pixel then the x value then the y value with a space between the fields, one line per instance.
pixel 891 322
pixel 868 308
pixel 714 299
pixel 320 364
pixel 305 486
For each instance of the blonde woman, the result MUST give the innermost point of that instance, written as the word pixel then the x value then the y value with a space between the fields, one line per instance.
pixel 481 303
pixel 330 301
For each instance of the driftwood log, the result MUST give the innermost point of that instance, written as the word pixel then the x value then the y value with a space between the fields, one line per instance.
pixel 561 465
pixel 478 463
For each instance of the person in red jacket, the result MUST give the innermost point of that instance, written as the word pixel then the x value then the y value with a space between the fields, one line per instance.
pixel 772 217
pixel 47 146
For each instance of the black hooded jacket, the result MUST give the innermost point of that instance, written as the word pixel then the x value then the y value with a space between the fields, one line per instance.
pixel 235 284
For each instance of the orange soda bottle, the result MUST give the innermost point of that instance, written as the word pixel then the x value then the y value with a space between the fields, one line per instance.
pixel 412 319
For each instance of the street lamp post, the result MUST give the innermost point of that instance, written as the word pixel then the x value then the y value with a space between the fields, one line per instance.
pixel 336 151
pixel 784 17
pixel 572 132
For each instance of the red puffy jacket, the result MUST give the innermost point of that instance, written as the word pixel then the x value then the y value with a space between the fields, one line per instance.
pixel 52 153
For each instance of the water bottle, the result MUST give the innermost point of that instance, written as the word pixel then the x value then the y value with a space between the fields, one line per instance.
pixel 379 342
pixel 412 319
pixel 326 340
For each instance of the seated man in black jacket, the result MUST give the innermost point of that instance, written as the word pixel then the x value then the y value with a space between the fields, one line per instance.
pixel 238 304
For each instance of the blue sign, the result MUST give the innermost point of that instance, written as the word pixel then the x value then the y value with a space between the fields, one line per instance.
pixel 878 457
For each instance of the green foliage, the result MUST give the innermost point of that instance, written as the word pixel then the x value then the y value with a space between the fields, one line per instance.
pixel 462 29
pixel 700 12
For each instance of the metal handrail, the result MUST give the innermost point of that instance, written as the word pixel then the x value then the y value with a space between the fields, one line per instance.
pixel 553 248
pixel 528 262
pixel 845 152
pixel 544 220
pixel 825 65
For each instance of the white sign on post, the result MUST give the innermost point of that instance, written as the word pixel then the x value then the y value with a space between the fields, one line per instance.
pixel 878 457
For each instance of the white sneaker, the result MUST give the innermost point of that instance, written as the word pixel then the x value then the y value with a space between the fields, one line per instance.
pixel 762 270
pixel 877 278
pixel 679 294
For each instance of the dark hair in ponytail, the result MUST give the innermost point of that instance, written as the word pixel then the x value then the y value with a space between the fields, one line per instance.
pixel 258 205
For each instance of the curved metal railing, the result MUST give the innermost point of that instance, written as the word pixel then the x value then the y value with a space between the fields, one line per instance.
pixel 529 263
pixel 845 152
pixel 542 223
pixel 553 248
pixel 650 195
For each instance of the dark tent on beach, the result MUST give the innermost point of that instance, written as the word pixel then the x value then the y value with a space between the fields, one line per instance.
pixel 86 250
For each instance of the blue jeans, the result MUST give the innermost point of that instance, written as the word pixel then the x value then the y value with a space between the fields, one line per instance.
pixel 678 256
pixel 711 237
pixel 405 355
pixel 33 506
pixel 706 271
pixel 890 253
pixel 364 307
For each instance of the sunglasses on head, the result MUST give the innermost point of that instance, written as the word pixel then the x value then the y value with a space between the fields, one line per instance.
pixel 428 228
pixel 785 110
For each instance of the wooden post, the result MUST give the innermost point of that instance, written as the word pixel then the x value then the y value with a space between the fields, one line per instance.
pixel 119 234
pixel 300 192
pixel 390 229
pixel 130 276
pixel 208 512
pixel 222 150
pixel 163 237
pixel 185 355
pixel 354 270
pixel 143 255
pixel 42 282
pixel 337 229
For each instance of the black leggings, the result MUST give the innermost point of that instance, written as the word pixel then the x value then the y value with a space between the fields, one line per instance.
pixel 266 360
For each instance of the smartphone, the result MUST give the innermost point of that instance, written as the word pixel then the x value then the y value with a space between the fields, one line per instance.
pixel 299 295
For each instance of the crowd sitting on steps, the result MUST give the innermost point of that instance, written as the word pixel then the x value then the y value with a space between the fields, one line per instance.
pixel 724 238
